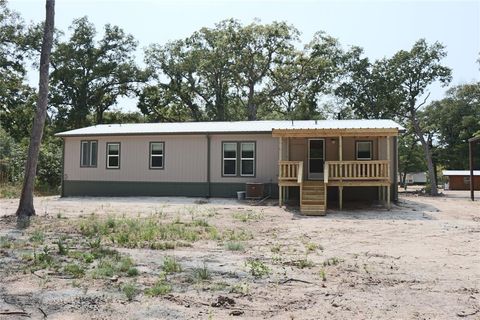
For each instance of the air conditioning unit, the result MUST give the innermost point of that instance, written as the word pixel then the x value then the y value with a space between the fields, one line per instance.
pixel 254 190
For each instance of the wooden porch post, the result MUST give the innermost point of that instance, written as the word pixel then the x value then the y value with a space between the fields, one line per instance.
pixel 340 197
pixel 280 151
pixel 340 158
pixel 389 173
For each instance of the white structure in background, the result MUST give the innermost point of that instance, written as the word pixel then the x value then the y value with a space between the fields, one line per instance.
pixel 414 178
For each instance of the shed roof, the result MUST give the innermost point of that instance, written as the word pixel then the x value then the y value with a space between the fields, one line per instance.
pixel 460 172
pixel 264 126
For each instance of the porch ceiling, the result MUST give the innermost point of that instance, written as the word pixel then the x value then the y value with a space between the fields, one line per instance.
pixel 305 133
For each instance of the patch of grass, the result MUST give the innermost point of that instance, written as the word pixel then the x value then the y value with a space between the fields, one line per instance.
pixel 75 270
pixel 132 272
pixel 202 273
pixel 170 265
pixel 304 263
pixel 248 216
pixel 257 268
pixel 6 243
pixel 160 288
pixel 275 248
pixel 241 288
pixel 237 235
pixel 235 246
pixel 62 247
pixel 323 275
pixel 37 237
pixel 112 266
pixel 149 232
pixel 311 247
pixel 130 291
pixel 331 261
pixel 44 257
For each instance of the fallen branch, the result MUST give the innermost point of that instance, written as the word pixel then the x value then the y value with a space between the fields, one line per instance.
pixel 295 280
pixel 43 312
pixel 16 313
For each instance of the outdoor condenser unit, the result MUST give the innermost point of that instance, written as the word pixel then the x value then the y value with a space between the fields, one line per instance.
pixel 254 190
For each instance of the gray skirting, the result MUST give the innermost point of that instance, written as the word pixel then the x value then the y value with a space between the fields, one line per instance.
pixel 72 188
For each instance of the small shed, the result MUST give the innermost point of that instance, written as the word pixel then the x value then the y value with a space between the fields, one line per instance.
pixel 460 179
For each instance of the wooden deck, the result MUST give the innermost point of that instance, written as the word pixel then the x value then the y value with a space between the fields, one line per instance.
pixel 313 193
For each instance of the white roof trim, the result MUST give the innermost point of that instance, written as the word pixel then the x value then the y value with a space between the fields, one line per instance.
pixel 265 126
pixel 460 172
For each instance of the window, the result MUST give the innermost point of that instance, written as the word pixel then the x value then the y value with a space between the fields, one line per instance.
pixel 238 155
pixel 88 153
pixel 156 155
pixel 364 150
pixel 229 158
pixel 113 155
pixel 247 159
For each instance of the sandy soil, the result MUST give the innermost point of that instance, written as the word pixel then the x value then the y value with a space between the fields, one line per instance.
pixel 421 260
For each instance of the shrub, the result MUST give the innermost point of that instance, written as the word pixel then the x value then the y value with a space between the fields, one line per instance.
pixel 170 265
pixel 257 268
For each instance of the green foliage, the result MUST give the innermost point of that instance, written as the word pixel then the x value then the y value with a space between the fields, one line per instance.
pixel 235 246
pixel 160 288
pixel 202 273
pixel 75 270
pixel 149 232
pixel 130 291
pixel 171 265
pixel 257 268
pixel 89 76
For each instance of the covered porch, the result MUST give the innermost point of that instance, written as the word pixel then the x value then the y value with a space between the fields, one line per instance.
pixel 320 161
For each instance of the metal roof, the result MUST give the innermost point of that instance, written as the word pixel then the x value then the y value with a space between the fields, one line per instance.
pixel 460 172
pixel 263 126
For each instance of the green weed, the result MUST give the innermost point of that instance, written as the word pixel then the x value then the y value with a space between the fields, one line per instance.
pixel 257 268
pixel 235 246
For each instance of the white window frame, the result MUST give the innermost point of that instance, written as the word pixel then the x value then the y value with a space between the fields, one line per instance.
pixel 234 159
pixel 242 158
pixel 151 155
pixel 370 143
pixel 113 155
pixel 87 146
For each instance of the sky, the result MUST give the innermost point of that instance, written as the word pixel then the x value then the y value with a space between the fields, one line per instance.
pixel 380 27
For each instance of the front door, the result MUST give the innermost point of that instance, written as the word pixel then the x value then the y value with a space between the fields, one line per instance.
pixel 316 158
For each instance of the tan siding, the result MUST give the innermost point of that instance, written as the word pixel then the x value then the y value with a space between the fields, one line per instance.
pixel 266 158
pixel 185 159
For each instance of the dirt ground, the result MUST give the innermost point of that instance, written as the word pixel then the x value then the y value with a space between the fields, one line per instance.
pixel 420 260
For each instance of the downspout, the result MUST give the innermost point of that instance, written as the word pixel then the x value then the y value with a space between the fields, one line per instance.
pixel 62 192
pixel 395 165
pixel 208 166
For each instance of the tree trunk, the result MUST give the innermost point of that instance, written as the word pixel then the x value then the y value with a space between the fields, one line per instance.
pixel 428 156
pixel 404 180
pixel 25 207
pixel 252 110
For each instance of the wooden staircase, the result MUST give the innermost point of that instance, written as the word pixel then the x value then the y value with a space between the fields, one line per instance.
pixel 313 195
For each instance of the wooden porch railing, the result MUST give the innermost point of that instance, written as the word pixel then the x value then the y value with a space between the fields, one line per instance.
pixel 290 171
pixel 357 170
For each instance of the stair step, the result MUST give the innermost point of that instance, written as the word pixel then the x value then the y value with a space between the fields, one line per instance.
pixel 313 196
pixel 311 207
pixel 314 203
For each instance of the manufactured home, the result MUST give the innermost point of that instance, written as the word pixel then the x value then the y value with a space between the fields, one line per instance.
pixel 312 162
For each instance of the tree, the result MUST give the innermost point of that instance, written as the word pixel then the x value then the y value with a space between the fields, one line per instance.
pixel 16 97
pixel 25 207
pixel 366 87
pixel 414 71
pixel 89 76
pixel 455 119
pixel 296 85
pixel 257 50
